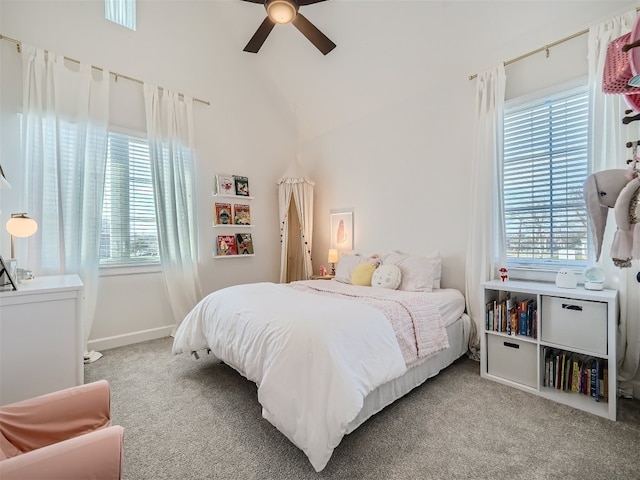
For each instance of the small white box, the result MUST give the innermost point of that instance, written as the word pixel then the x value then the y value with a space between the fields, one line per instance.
pixel 512 359
pixel 574 323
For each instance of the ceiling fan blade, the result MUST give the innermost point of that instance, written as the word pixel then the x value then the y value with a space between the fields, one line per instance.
pixel 255 1
pixel 306 2
pixel 260 36
pixel 315 36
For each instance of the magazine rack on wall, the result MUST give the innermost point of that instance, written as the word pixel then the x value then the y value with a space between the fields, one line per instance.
pixel 232 211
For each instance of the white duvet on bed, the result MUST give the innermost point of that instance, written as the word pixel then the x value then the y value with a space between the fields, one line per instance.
pixel 313 361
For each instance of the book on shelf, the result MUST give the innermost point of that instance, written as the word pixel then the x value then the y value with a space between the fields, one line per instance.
pixel 225 185
pixel 226 245
pixel 512 317
pixel 222 213
pixel 489 316
pixel 598 363
pixel 575 373
pixel 241 185
pixel 244 244
pixel 241 214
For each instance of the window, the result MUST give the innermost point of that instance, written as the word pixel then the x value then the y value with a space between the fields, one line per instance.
pixel 122 12
pixel 545 167
pixel 128 235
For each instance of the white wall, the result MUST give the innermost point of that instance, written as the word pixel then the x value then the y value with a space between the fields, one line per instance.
pixel 401 159
pixel 183 46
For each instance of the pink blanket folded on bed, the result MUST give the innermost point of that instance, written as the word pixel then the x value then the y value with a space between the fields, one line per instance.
pixel 416 320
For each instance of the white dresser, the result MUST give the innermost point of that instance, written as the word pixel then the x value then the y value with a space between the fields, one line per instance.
pixel 41 337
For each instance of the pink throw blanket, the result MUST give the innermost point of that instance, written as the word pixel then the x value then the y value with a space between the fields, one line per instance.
pixel 416 321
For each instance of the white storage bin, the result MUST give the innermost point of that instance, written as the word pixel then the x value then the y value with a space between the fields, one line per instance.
pixel 574 323
pixel 512 359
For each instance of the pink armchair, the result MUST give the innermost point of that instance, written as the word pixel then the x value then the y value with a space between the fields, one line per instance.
pixel 61 435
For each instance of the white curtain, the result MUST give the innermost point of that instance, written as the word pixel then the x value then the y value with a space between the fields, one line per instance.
pixel 294 186
pixel 609 137
pixel 170 133
pixel 64 143
pixel 485 244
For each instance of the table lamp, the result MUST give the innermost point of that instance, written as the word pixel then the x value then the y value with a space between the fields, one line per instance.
pixel 19 225
pixel 332 259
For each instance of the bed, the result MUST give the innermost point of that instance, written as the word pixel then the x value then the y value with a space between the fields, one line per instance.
pixel 327 355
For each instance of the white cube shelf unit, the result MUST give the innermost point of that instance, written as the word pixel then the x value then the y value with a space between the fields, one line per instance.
pixel 577 322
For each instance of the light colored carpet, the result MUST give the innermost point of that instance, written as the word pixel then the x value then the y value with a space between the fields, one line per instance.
pixel 199 419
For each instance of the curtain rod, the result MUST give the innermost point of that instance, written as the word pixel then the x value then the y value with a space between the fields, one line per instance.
pixel 115 74
pixel 545 48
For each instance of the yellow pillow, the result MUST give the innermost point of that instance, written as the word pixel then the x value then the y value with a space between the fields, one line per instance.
pixel 362 274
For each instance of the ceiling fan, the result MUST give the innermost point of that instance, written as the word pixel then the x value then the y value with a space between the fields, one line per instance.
pixel 286 11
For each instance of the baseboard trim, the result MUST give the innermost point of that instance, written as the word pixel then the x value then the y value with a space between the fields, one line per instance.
pixel 130 338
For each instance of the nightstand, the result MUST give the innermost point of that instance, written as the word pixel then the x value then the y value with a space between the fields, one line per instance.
pixel 321 277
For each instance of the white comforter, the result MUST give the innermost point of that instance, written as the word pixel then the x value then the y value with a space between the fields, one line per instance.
pixel 313 361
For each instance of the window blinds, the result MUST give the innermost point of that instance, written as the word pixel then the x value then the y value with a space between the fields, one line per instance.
pixel 545 166
pixel 129 234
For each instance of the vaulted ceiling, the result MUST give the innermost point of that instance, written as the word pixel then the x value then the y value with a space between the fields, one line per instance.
pixel 390 51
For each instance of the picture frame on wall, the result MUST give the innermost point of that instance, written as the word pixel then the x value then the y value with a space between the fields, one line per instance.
pixel 341 229
pixel 7 278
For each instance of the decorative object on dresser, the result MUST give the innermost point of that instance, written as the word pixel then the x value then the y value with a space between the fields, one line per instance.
pixel 19 225
pixel 4 183
pixel 563 348
pixel 594 278
pixel 7 279
pixel 566 279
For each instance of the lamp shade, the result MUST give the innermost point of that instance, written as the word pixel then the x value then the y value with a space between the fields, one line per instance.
pixel 19 225
pixel 281 11
pixel 333 256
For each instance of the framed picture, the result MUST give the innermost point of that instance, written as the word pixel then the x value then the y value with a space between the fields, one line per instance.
pixel 7 275
pixel 341 229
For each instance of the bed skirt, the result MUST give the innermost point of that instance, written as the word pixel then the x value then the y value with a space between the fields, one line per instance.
pixel 389 392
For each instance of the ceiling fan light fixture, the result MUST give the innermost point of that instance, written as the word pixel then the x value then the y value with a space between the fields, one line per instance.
pixel 281 11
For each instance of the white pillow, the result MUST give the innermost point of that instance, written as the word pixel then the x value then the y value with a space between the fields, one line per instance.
pixel 387 276
pixel 346 263
pixel 437 274
pixel 419 274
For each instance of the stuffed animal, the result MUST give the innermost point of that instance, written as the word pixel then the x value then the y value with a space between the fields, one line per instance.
pixel 618 189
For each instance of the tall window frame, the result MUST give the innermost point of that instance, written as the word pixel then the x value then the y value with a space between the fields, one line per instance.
pixel 129 235
pixel 545 163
